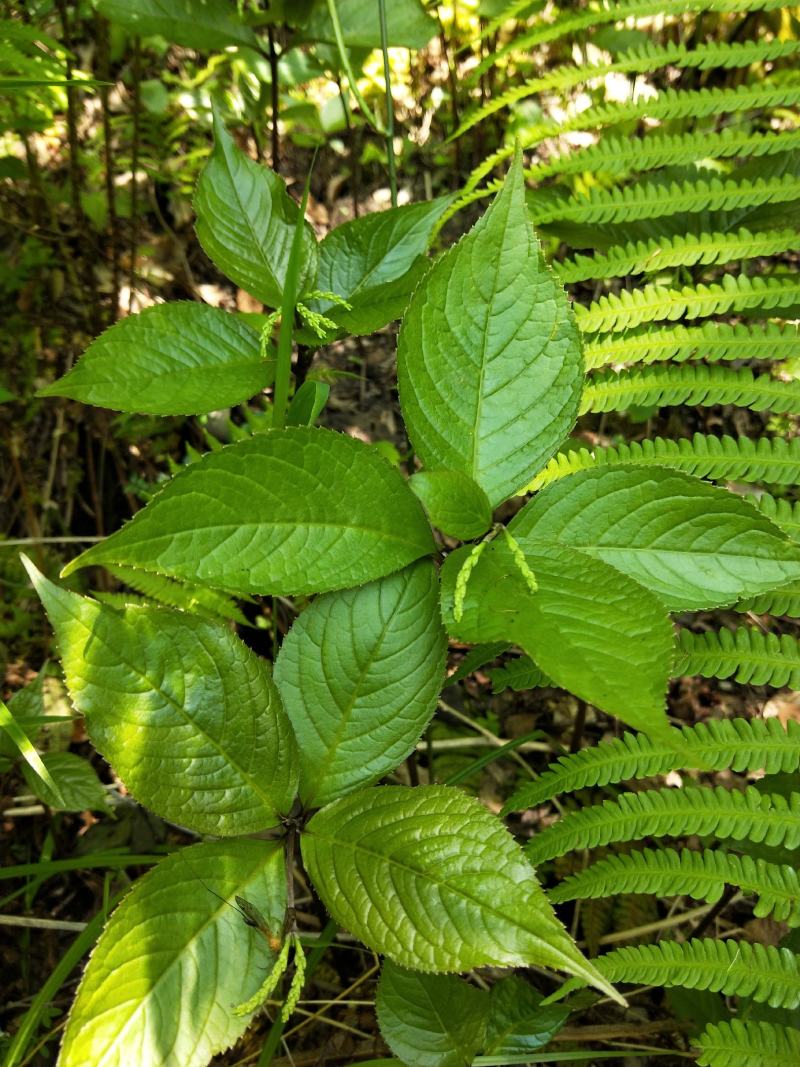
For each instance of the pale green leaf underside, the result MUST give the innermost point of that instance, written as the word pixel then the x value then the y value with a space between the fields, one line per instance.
pixel 694 545
pixel 489 358
pixel 407 24
pixel 246 221
pixel 204 24
pixel 454 503
pixel 590 629
pixel 359 673
pixel 174 960
pixel 431 1020
pixel 430 879
pixel 374 262
pixel 185 713
pixel 171 359
pixel 292 511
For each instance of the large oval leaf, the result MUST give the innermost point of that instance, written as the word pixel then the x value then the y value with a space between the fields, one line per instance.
pixel 489 357
pixel 591 629
pixel 172 359
pixel 176 958
pixel 184 712
pixel 407 24
pixel 695 545
pixel 291 511
pixel 204 24
pixel 429 878
pixel 246 221
pixel 431 1020
pixel 359 673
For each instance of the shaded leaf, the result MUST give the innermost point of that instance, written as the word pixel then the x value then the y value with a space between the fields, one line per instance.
pixel 518 1022
pixel 408 26
pixel 359 673
pixel 203 24
pixel 454 503
pixel 79 788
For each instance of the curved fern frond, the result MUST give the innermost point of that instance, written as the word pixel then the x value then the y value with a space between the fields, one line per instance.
pixel 646 257
pixel 693 384
pixel 740 744
pixel 722 55
pixel 198 599
pixel 736 968
pixel 630 308
pixel 570 22
pixel 750 816
pixel 743 459
pixel 712 341
pixel 518 675
pixel 734 1043
pixel 746 654
pixel 669 105
pixel 783 513
pixel 700 875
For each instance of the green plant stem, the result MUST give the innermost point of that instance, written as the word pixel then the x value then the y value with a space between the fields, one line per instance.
pixel 387 77
pixel 369 114
pixel 283 361
pixel 495 754
pixel 74 954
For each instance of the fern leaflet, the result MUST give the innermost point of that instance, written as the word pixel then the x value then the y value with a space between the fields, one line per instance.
pixel 711 341
pixel 740 744
pixel 746 654
pixel 692 384
pixel 673 813
pixel 734 1043
pixel 736 968
pixel 701 875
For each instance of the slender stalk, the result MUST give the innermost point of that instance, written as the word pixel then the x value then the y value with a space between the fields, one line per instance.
pixel 369 114
pixel 104 64
pixel 387 77
pixel 275 95
pixel 137 77
pixel 283 361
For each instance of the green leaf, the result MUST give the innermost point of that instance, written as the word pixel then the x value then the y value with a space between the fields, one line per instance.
pixel 205 24
pixel 407 24
pixel 489 357
pixel 10 726
pixel 246 220
pixel 696 546
pixel 79 788
pixel 518 1022
pixel 175 959
pixel 359 673
pixel 287 512
pixel 431 1020
pixel 307 403
pixel 183 711
pixel 454 503
pixel 374 262
pixel 429 878
pixel 171 359
pixel 587 627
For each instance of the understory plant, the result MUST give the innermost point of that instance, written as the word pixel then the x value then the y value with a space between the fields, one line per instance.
pixel 277 769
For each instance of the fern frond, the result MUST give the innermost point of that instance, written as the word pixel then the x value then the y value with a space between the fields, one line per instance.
pixel 629 308
pixel 750 816
pixel 184 595
pixel 570 22
pixel 734 1043
pixel 738 744
pixel 783 601
pixel 700 875
pixel 719 55
pixel 667 106
pixel 736 968
pixel 746 654
pixel 783 513
pixel 518 675
pixel 646 257
pixel 622 156
pixel 712 341
pixel 743 459
pixel 693 384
